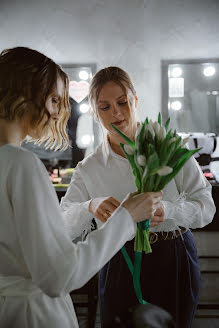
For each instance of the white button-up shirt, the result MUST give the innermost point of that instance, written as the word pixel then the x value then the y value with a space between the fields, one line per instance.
pixel 39 263
pixel 187 199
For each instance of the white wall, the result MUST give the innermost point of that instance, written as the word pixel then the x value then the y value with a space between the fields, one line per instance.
pixel 133 34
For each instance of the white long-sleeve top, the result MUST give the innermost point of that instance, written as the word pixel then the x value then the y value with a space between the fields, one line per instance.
pixel 187 199
pixel 35 245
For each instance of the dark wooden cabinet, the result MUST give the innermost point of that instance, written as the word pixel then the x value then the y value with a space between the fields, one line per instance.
pixel 207 241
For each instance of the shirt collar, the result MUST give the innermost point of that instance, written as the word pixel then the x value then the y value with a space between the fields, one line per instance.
pixel 107 151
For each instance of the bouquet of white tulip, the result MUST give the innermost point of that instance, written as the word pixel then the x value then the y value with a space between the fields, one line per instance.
pixel 156 156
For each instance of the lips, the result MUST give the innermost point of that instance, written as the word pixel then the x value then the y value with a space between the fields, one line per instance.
pixel 118 122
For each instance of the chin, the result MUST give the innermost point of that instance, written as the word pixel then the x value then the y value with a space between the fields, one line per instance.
pixel 34 135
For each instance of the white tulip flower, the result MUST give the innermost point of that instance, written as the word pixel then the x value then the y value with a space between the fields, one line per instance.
pixel 172 140
pixel 162 133
pixel 141 159
pixel 184 141
pixel 156 127
pixel 165 170
pixel 149 127
pixel 129 150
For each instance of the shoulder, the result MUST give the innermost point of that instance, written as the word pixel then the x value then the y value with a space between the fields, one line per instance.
pixel 17 156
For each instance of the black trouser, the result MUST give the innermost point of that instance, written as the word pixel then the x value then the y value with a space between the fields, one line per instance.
pixel 170 278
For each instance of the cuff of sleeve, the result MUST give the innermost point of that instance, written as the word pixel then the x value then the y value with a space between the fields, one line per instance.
pixel 86 211
pixel 126 219
pixel 167 208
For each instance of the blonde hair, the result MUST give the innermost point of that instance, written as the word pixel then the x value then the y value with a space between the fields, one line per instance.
pixel 27 78
pixel 107 74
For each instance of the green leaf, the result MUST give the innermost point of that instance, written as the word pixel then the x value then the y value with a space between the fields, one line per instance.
pixel 177 142
pixel 140 169
pixel 167 124
pixel 186 156
pixel 176 156
pixel 149 138
pixel 144 177
pixel 177 168
pixel 159 118
pixel 139 140
pixel 158 179
pixel 149 149
pixel 153 161
pixel 166 151
pixel 150 183
pixel 127 140
pixel 135 169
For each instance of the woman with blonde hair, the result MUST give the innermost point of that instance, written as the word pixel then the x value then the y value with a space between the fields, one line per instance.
pixel 39 263
pixel 170 275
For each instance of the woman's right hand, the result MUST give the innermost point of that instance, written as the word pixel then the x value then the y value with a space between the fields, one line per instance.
pixel 142 206
pixel 103 207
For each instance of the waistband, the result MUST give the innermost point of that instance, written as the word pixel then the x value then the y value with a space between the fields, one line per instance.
pixel 158 236
pixel 17 286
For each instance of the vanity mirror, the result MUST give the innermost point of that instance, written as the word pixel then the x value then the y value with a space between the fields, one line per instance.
pixel 190 95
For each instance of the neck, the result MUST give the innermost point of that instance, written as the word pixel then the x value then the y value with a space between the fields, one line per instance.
pixel 115 140
pixel 11 132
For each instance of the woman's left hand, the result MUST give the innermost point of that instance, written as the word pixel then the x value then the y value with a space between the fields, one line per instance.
pixel 158 217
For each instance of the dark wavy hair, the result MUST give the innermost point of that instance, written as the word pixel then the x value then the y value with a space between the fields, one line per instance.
pixel 27 78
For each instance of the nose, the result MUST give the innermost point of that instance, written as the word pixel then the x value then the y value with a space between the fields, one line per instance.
pixel 54 114
pixel 115 110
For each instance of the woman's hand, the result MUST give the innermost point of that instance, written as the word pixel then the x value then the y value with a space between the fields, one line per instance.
pixel 158 216
pixel 103 207
pixel 144 206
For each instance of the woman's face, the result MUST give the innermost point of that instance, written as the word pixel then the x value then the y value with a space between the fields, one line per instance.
pixel 117 107
pixel 52 106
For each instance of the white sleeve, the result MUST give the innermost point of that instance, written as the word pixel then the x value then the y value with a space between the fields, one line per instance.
pixel 75 205
pixel 195 207
pixel 56 264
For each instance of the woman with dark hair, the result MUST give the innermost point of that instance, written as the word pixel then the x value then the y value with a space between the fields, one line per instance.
pixel 170 275
pixel 39 263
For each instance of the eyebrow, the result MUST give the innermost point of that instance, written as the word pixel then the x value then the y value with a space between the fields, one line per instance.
pixel 105 101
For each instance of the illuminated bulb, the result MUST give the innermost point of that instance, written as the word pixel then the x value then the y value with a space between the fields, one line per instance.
pixel 209 71
pixel 176 72
pixel 176 105
pixel 83 75
pixel 84 108
pixel 214 93
pixel 86 139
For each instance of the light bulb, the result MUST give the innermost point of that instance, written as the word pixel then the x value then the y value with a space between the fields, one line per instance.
pixel 83 75
pixel 84 108
pixel 176 72
pixel 176 105
pixel 86 139
pixel 209 71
